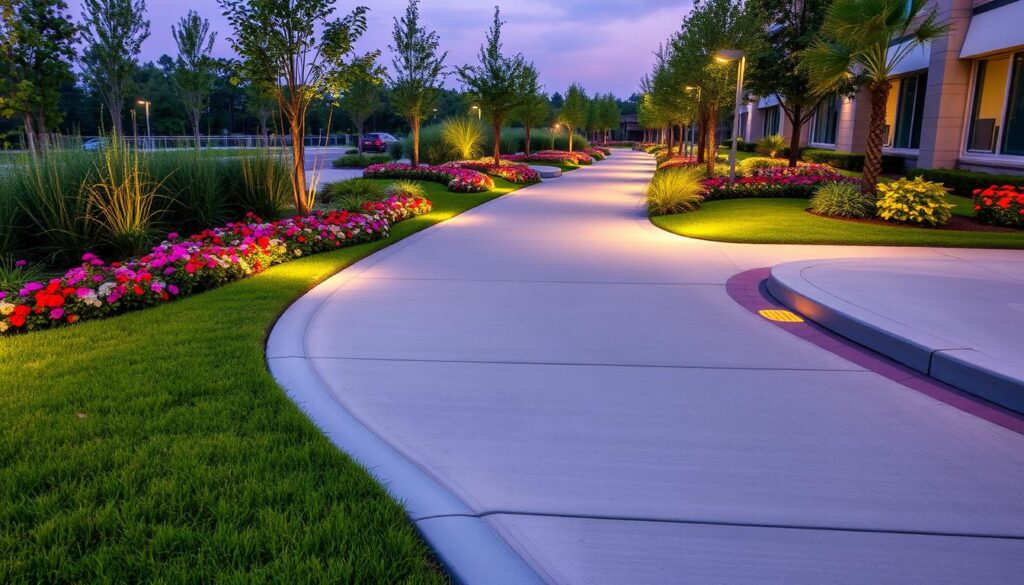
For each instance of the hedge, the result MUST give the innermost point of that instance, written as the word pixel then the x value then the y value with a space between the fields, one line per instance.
pixel 963 183
pixel 850 161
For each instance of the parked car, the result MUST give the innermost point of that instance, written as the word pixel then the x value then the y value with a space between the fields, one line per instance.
pixel 377 141
pixel 96 143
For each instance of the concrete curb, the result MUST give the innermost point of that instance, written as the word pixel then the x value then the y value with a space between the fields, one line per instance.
pixel 471 551
pixel 946 361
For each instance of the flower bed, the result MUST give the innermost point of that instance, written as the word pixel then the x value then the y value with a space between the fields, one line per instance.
pixel 678 161
pixel 181 266
pixel 618 143
pixel 1001 205
pixel 555 156
pixel 519 174
pixel 772 185
pixel 459 180
pixel 597 153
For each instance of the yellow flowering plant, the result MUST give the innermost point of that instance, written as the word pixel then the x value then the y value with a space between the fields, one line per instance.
pixel 914 201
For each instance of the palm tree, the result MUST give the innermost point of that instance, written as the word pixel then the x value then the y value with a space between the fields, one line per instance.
pixel 854 47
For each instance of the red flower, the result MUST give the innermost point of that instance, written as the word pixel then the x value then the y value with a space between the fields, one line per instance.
pixel 17 320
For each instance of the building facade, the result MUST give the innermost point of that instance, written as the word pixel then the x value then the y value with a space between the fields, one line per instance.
pixel 958 103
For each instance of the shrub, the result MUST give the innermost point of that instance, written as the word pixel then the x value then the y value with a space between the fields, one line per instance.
pixel 676 161
pixel 595 153
pixel 748 165
pixel 914 201
pixel 463 135
pixel 360 161
pixel 675 191
pixel 842 200
pixel 1001 205
pixel 511 172
pixel 555 156
pixel 434 150
pixel 396 149
pixel 850 161
pixel 351 194
pixel 410 188
pixel 10 216
pixel 964 183
pixel 771 146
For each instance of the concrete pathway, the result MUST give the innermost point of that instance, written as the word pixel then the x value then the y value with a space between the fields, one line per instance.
pixel 553 369
pixel 960 320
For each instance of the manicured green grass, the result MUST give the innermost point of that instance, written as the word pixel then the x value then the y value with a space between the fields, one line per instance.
pixel 785 221
pixel 155 446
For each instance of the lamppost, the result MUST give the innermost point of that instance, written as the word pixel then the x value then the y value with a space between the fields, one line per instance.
pixel 149 135
pixel 689 127
pixel 555 134
pixel 728 56
pixel 479 113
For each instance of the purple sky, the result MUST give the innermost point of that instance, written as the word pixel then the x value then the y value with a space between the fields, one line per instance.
pixel 604 44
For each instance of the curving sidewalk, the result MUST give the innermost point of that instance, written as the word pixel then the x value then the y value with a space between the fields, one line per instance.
pixel 560 392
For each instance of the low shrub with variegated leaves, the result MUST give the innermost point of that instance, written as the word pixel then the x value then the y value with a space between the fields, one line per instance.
pixel 181 266
pixel 459 180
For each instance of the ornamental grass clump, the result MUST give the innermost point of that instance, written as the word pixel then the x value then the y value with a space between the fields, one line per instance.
pixel 122 195
pixel 409 188
pixel 771 146
pixel 842 200
pixel 463 134
pixel 53 197
pixel 675 191
pixel 264 185
pixel 914 201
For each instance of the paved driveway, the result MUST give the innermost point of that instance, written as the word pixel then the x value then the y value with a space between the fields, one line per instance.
pixel 581 382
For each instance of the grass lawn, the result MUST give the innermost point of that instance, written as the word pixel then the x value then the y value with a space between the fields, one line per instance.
pixel 785 221
pixel 155 446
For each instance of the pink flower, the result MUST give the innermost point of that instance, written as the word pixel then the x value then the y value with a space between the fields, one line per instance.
pixel 57 313
pixel 20 263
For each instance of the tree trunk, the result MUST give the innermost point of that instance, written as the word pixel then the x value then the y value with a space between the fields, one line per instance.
pixel 669 132
pixel 42 136
pixel 711 154
pixel 196 115
pixel 794 140
pixel 496 125
pixel 359 138
pixel 415 142
pixel 527 140
pixel 30 133
pixel 876 136
pixel 571 132
pixel 115 118
pixel 299 167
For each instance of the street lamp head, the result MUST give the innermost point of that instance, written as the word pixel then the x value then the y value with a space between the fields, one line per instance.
pixel 728 55
pixel 691 88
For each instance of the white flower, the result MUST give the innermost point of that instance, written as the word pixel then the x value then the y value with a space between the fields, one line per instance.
pixel 298 252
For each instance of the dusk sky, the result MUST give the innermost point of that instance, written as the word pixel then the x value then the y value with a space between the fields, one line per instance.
pixel 606 45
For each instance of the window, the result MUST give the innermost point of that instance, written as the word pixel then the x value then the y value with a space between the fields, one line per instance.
pixel 903 112
pixel 826 120
pixel 1013 135
pixel 770 124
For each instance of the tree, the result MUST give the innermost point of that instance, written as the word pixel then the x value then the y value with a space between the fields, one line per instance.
pixel 713 25
pixel 855 45
pixel 789 27
pixel 260 102
pixel 281 50
pixel 113 31
pixel 608 114
pixel 360 102
pixel 532 114
pixel 574 110
pixel 417 72
pixel 193 72
pixel 499 84
pixel 36 47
